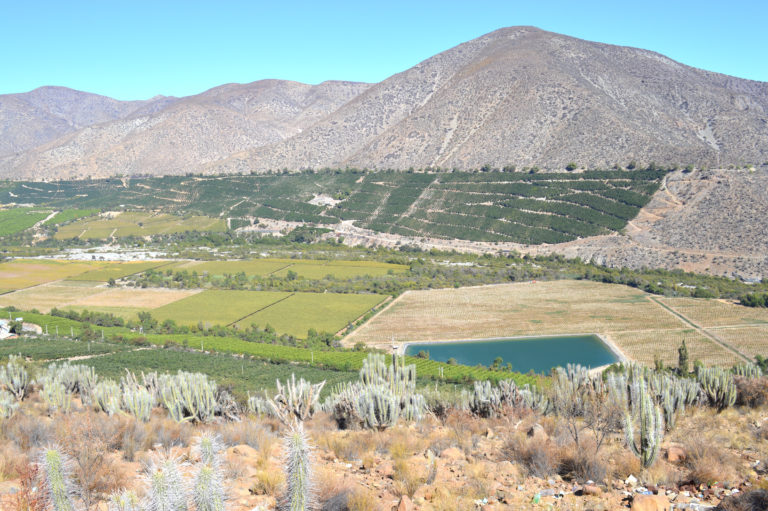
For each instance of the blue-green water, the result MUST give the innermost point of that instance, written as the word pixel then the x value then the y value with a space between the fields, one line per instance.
pixel 539 354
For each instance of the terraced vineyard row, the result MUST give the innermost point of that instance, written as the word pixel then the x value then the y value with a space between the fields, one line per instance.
pixel 486 206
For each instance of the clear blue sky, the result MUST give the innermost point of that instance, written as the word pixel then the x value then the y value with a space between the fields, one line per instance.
pixel 137 49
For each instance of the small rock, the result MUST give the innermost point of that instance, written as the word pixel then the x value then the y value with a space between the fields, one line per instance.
pixel 452 454
pixel 405 504
pixel 630 481
pixel 592 489
pixel 537 433
pixel 489 433
pixel 548 492
pixel 676 453
pixel 650 503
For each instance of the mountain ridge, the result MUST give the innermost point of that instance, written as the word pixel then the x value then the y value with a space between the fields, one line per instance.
pixel 516 96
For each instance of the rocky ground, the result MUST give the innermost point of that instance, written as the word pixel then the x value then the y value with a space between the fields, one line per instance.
pixel 458 462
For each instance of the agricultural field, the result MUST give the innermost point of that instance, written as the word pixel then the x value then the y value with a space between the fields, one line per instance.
pixel 641 328
pixel 325 312
pixel 118 270
pixel 15 220
pixel 52 349
pixel 647 346
pixel 750 340
pixel 21 273
pixel 217 307
pixel 47 296
pixel 137 223
pixel 484 206
pixel 710 313
pixel 243 376
pixel 307 268
pixel 69 215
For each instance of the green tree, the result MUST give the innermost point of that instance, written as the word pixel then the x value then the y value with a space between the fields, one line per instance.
pixel 683 363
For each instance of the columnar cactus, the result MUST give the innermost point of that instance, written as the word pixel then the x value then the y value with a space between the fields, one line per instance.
pixel 124 500
pixel 8 404
pixel 188 396
pixel 485 400
pixel 298 470
pixel 718 386
pixel 106 396
pixel 138 401
pixel 208 489
pixel 378 407
pixel 15 378
pixel 296 401
pixel 57 482
pixel 747 371
pixel 76 378
pixel 643 411
pixel 56 396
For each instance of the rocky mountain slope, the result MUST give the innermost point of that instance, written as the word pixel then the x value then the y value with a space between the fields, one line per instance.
pixel 518 96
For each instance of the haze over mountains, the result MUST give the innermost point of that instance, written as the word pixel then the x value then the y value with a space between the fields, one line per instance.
pixel 518 96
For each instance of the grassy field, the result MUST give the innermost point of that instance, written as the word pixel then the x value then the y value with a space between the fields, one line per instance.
pixel 70 214
pixel 137 224
pixel 310 269
pixel 640 327
pixel 217 307
pixel 22 273
pixel 118 270
pixel 15 220
pixel 325 312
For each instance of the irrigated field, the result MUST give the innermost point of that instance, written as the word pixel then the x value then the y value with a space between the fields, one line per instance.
pixel 751 340
pixel 118 270
pixel 16 220
pixel 307 268
pixel 137 224
pixel 716 313
pixel 640 327
pixel 325 312
pixel 217 307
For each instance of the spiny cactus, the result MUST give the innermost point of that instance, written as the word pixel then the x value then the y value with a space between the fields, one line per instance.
pixel 15 378
pixel 138 401
pixel 378 407
pixel 56 396
pixel 76 378
pixel 296 401
pixel 718 386
pixel 534 399
pixel 106 395
pixel 188 396
pixel 208 489
pixel 747 371
pixel 258 405
pixel 8 404
pixel 57 482
pixel 124 500
pixel 643 411
pixel 299 495
pixel 167 489
pixel 485 400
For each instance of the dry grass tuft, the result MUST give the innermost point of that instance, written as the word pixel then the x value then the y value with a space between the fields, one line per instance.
pixel 362 499
pixel 268 482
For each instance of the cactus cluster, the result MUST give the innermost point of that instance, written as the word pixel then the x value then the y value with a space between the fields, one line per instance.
pixel 188 396
pixel 643 424
pixel 14 378
pixel 124 500
pixel 76 378
pixel 719 387
pixel 384 394
pixel 296 400
pixel 167 488
pixel 208 492
pixel 748 371
pixel 56 396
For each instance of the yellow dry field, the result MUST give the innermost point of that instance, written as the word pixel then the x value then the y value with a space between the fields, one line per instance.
pixel 646 346
pixel 93 297
pixel 716 313
pixel 150 298
pixel 23 273
pixel 751 340
pixel 543 308
pixel 47 296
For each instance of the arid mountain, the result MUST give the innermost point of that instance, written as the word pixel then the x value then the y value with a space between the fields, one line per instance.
pixel 518 96
pixel 34 118
pixel 188 133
